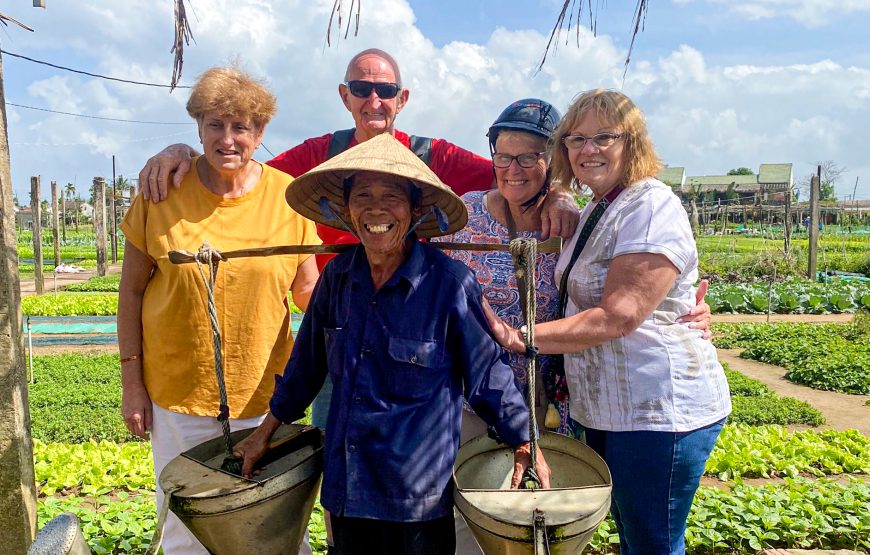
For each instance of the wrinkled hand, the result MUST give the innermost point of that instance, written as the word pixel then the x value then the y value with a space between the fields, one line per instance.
pixel 507 337
pixel 136 410
pixel 173 161
pixel 700 316
pixel 252 448
pixel 523 460
pixel 559 215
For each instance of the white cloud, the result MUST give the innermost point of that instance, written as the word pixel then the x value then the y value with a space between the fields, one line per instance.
pixel 707 118
pixel 810 13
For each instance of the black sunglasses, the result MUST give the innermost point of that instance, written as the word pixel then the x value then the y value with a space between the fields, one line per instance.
pixel 363 89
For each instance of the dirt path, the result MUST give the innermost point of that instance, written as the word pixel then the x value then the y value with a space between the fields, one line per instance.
pixel 28 286
pixel 842 411
pixel 792 318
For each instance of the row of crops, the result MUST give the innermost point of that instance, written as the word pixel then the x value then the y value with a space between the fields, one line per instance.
pixel 791 297
pixel 88 464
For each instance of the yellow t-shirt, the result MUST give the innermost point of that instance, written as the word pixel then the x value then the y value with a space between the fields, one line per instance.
pixel 250 294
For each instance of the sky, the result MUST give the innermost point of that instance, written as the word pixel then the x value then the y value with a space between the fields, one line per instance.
pixel 723 83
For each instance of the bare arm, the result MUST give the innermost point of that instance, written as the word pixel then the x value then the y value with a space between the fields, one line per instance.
pixel 173 161
pixel 303 283
pixel 559 214
pixel 636 284
pixel 135 401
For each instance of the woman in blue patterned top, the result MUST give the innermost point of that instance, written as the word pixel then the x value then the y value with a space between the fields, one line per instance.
pixel 518 142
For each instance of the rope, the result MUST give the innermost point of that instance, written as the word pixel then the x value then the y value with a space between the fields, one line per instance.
pixel 524 253
pixel 211 257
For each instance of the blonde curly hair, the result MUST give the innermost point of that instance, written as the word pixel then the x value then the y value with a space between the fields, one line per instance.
pixel 229 91
pixel 616 109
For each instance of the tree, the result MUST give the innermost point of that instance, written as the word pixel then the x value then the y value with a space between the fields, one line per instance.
pixel 742 170
pixel 70 194
pixel 831 173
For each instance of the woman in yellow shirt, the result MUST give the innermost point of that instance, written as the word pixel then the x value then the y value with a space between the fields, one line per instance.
pixel 164 334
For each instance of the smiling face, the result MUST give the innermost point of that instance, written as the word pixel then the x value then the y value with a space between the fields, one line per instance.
pixel 515 183
pixel 601 169
pixel 228 141
pixel 372 115
pixel 379 206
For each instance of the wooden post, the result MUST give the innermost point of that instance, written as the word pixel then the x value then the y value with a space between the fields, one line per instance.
pixel 814 224
pixel 63 215
pixel 786 224
pixel 114 226
pixel 36 212
pixel 55 223
pixel 100 224
pixel 17 487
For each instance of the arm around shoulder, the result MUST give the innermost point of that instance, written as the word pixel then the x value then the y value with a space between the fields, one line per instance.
pixel 172 162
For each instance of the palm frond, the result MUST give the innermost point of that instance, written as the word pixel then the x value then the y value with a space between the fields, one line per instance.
pixel 183 36
pixel 569 7
pixel 336 16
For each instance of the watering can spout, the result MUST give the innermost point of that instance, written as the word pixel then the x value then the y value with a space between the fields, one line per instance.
pixel 62 535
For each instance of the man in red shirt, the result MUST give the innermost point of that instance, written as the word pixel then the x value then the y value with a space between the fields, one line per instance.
pixel 373 94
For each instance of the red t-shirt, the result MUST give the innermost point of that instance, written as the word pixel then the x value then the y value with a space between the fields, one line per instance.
pixel 461 169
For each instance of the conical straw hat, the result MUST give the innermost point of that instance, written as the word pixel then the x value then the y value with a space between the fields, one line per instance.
pixel 382 154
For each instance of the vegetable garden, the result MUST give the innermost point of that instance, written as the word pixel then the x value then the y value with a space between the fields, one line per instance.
pixel 783 474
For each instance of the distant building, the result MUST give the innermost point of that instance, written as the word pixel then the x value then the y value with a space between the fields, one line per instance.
pixel 768 186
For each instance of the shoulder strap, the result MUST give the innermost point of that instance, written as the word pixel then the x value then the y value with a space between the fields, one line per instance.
pixel 339 142
pixel 585 233
pixel 422 147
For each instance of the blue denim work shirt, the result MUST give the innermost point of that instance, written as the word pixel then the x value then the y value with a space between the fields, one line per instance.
pixel 400 359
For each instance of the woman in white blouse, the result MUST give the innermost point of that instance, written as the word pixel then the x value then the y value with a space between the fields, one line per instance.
pixel 648 389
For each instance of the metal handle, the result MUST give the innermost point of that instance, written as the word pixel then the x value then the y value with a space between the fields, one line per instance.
pixel 539 529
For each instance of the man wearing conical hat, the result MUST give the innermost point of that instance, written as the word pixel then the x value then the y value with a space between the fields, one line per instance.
pixel 400 329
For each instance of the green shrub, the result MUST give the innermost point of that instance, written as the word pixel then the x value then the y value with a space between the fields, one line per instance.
pixel 823 356
pixel 765 451
pixel 791 297
pixel 97 284
pixel 759 411
pixel 744 386
pixel 71 304
pixel 77 398
pixel 94 468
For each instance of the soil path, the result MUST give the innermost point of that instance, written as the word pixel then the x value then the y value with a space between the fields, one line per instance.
pixel 841 411
pixel 775 318
pixel 28 286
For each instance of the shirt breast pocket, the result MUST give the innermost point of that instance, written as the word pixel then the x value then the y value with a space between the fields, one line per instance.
pixel 335 352
pixel 416 369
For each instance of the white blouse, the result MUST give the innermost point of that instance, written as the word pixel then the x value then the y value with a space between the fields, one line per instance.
pixel 663 376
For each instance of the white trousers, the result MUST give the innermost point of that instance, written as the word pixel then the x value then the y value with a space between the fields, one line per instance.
pixel 171 434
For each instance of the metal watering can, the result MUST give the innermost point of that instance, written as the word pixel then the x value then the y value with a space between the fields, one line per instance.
pixel 62 535
pixel 560 520
pixel 232 515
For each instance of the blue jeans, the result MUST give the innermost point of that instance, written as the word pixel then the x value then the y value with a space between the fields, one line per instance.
pixel 320 405
pixel 655 476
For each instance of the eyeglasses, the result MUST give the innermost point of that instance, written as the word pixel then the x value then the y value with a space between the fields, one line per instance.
pixel 525 160
pixel 601 140
pixel 363 89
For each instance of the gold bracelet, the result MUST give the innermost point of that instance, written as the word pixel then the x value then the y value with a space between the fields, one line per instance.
pixel 131 358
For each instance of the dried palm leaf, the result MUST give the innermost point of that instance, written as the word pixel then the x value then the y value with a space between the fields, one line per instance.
pixel 568 8
pixel 5 20
pixel 183 35
pixel 338 9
